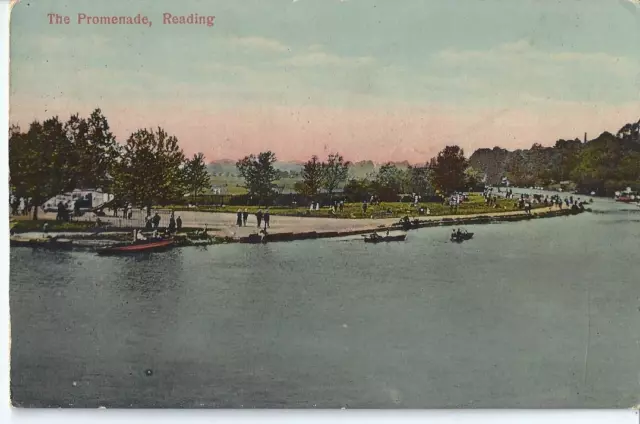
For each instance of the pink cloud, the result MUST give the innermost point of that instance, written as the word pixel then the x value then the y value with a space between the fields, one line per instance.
pixel 406 133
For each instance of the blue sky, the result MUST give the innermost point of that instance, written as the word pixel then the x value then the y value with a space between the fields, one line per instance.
pixel 373 79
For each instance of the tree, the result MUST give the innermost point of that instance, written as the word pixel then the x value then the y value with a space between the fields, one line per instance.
pixel 336 171
pixel 419 179
pixel 259 174
pixel 357 190
pixel 150 170
pixel 40 162
pixel 95 150
pixel 312 177
pixel 473 177
pixel 196 175
pixel 449 170
pixel 389 182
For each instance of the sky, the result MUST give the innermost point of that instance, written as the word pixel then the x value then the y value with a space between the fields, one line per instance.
pixel 381 80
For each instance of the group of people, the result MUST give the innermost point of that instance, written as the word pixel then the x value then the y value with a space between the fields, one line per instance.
pixel 243 216
pixel 455 201
pixel 152 223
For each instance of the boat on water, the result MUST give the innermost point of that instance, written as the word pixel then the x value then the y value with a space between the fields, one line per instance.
pixel 384 239
pixel 137 247
pixel 53 243
pixel 460 237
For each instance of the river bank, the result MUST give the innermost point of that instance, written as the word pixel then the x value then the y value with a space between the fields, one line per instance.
pixel 286 229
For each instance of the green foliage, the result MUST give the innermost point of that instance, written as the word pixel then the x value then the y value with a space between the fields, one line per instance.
pixel 357 189
pixel 94 150
pixel 336 171
pixel 389 182
pixel 419 180
pixel 313 173
pixel 41 162
pixel 449 170
pixel 150 170
pixel 196 175
pixel 605 164
pixel 473 176
pixel 259 174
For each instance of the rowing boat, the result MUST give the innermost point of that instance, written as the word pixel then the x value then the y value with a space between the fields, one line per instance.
pixel 137 247
pixel 385 239
pixel 459 238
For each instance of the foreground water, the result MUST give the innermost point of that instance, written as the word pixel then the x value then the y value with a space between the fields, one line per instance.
pixel 532 314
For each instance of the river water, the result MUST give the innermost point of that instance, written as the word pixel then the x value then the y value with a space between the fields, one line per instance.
pixel 533 314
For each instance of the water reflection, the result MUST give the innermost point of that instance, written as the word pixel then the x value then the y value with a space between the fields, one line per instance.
pixel 501 320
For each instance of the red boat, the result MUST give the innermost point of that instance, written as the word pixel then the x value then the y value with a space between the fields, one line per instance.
pixel 625 199
pixel 137 247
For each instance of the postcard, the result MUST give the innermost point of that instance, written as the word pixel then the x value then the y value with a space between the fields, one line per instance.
pixel 329 204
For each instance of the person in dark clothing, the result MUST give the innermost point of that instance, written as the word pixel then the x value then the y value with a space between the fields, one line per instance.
pixel 259 217
pixel 239 218
pixel 179 223
pixel 267 216
pixel 61 212
pixel 156 221
pixel 245 216
pixel 172 224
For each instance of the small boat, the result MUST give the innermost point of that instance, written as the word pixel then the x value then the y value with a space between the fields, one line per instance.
pixel 459 238
pixel 384 239
pixel 137 247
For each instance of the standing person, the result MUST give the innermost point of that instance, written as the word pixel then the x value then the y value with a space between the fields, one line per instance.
pixel 245 216
pixel 267 216
pixel 364 207
pixel 259 217
pixel 239 218
pixel 156 221
pixel 342 206
pixel 172 224
pixel 179 223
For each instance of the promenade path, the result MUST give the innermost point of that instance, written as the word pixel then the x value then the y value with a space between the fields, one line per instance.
pixel 224 224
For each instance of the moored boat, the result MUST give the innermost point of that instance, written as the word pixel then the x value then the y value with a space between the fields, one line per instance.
pixel 384 239
pixel 137 247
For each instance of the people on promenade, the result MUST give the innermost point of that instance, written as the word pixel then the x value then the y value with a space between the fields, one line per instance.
pixel 172 224
pixel 245 216
pixel 259 217
pixel 267 217
pixel 179 223
pixel 156 221
pixel 239 218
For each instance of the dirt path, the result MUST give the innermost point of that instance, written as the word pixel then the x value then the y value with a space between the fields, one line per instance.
pixel 225 223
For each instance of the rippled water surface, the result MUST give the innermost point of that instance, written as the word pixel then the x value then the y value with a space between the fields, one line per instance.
pixel 543 313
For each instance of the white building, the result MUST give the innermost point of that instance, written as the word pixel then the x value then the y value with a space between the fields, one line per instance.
pixel 91 198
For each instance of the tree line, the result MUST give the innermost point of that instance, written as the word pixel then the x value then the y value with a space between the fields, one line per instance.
pixel 604 165
pixel 54 157
pixel 449 171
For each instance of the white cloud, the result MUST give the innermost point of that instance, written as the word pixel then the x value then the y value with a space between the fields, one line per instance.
pixel 319 58
pixel 525 51
pixel 260 43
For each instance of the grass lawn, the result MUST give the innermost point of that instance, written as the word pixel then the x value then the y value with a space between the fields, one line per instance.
pixel 28 225
pixel 474 205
